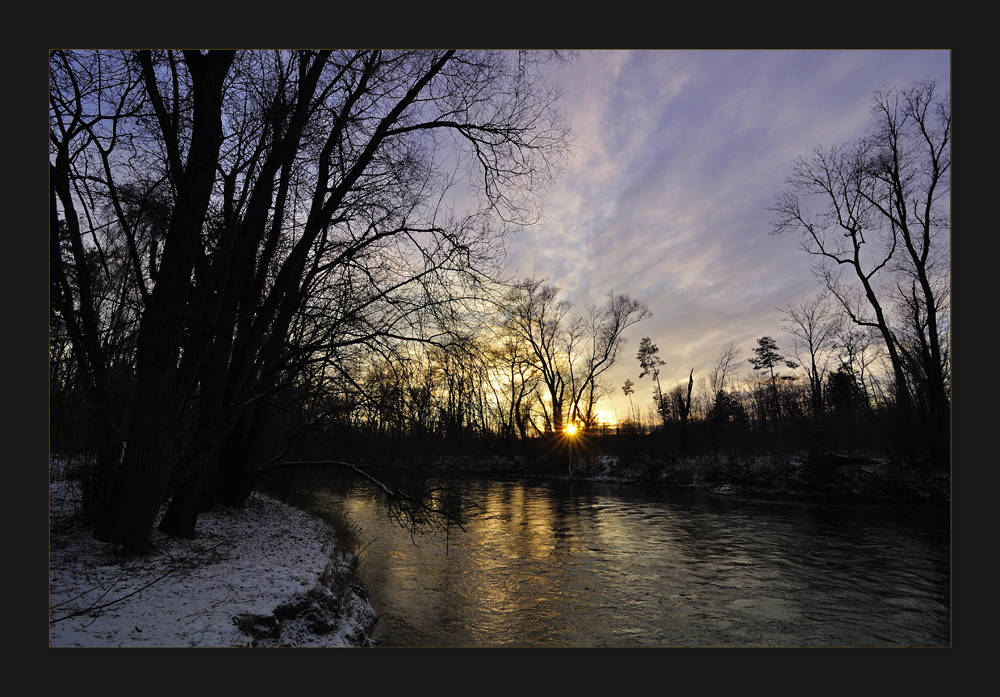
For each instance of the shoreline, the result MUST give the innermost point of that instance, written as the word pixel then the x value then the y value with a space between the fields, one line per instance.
pixel 837 476
pixel 269 574
pixel 275 574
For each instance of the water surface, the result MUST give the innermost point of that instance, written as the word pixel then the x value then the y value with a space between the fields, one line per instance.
pixel 593 564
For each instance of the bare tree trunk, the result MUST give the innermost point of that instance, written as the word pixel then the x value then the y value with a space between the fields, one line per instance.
pixel 148 461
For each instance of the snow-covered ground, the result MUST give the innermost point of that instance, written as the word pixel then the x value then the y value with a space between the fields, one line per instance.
pixel 266 575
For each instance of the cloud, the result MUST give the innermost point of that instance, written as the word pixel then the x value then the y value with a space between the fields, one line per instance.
pixel 679 154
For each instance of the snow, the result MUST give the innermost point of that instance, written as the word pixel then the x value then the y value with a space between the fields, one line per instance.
pixel 274 570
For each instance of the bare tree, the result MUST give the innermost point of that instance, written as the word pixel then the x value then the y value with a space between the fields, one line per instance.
pixel 88 95
pixel 571 353
pixel 813 325
pixel 857 352
pixel 604 327
pixel 909 163
pixel 680 400
pixel 721 377
pixel 302 192
pixel 533 312
pixel 846 234
pixel 518 376
pixel 886 217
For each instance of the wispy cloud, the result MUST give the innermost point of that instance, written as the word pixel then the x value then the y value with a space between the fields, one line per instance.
pixel 678 155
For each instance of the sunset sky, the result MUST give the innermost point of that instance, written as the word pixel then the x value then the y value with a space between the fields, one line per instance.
pixel 678 155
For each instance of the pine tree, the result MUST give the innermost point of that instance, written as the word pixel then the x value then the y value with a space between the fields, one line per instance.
pixel 650 363
pixel 768 357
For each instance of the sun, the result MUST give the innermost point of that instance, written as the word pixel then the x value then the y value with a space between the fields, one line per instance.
pixel 570 429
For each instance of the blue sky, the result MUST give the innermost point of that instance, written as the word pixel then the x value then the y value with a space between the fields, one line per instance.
pixel 677 156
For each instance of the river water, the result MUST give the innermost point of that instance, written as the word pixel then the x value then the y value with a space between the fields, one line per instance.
pixel 552 563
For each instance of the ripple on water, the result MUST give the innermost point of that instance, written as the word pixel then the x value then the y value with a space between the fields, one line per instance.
pixel 770 608
pixel 544 566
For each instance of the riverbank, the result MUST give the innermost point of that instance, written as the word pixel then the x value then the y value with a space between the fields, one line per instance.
pixel 274 575
pixel 264 575
pixel 834 474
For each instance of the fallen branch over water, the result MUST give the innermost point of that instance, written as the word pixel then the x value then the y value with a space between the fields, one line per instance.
pixel 414 511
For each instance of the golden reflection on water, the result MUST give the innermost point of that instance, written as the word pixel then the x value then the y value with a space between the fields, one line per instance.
pixel 501 593
pixel 579 566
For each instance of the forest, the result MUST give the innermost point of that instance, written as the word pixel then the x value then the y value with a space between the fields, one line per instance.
pixel 265 257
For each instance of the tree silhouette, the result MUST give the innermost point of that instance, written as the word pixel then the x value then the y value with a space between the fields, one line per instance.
pixel 719 379
pixel 886 220
pixel 650 364
pixel 298 198
pixel 768 358
pixel 570 352
pixel 627 388
pixel 813 326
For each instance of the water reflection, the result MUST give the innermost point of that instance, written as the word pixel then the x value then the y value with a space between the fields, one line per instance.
pixel 585 564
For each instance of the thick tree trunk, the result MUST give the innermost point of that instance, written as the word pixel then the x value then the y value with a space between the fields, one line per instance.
pixel 182 513
pixel 239 476
pixel 138 490
pixel 228 454
pixel 145 472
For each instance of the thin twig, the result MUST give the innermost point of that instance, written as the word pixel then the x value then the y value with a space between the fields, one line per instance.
pixel 94 608
pixel 89 590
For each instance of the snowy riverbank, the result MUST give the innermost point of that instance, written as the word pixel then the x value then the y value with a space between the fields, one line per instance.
pixel 265 575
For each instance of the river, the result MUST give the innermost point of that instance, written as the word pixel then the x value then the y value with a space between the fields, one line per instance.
pixel 558 563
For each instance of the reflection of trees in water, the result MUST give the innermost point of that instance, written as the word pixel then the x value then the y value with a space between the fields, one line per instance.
pixel 585 564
